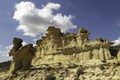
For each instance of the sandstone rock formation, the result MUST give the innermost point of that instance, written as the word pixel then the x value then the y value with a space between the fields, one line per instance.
pixel 56 46
pixel 64 56
pixel 22 55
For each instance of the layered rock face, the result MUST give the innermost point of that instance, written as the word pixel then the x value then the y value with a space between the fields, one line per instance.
pixel 22 55
pixel 69 47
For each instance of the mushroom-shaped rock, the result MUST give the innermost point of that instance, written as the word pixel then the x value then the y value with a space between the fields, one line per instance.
pixel 83 30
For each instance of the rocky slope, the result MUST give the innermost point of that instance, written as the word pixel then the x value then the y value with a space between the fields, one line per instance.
pixel 88 70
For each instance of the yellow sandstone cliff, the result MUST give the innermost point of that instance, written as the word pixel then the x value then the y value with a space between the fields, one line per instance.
pixel 56 46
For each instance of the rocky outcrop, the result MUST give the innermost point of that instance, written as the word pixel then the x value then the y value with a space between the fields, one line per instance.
pixel 56 46
pixel 22 55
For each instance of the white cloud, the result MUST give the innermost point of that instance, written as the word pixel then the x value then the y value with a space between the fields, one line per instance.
pixel 4 56
pixel 24 43
pixel 9 47
pixel 34 21
pixel 116 42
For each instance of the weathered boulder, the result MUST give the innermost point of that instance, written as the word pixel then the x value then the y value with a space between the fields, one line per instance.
pixel 17 43
pixel 22 56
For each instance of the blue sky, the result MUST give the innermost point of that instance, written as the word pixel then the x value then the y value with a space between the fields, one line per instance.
pixel 100 17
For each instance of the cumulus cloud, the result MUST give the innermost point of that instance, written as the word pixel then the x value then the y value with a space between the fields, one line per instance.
pixel 116 42
pixel 34 21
